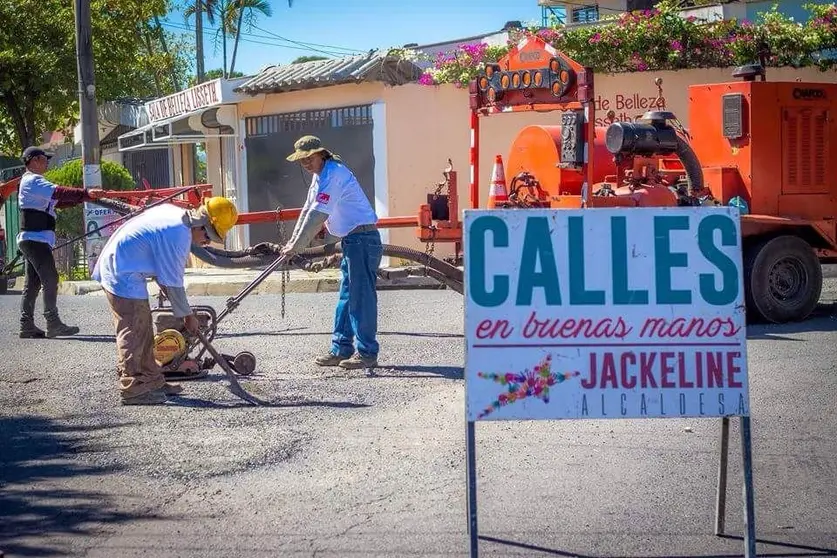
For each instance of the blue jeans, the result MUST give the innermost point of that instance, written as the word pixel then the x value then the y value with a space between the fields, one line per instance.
pixel 356 316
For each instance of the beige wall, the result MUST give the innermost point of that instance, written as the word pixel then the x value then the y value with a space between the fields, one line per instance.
pixel 312 99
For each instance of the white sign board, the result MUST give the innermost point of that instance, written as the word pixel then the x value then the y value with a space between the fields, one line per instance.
pixel 201 96
pixel 604 313
pixel 96 216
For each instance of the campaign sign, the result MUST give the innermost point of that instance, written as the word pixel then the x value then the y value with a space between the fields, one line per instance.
pixel 95 217
pixel 604 313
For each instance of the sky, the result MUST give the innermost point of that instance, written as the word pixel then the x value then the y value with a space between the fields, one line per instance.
pixel 344 27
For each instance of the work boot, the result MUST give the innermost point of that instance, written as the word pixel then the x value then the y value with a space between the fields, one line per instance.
pixel 329 359
pixel 28 330
pixel 56 328
pixel 155 397
pixel 356 362
pixel 172 389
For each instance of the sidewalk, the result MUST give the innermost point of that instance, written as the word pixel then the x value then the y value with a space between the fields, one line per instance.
pixel 229 282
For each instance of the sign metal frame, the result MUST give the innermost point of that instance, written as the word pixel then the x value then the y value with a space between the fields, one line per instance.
pixel 748 496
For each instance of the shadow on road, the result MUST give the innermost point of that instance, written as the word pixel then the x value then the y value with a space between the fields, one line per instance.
pixel 91 338
pixel 35 452
pixel 300 331
pixel 792 550
pixel 279 403
pixel 419 371
pixel 824 318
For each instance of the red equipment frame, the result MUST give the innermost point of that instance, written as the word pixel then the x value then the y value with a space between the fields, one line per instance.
pixel 523 81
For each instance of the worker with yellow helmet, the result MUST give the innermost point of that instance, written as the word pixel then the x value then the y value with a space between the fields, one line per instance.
pixel 154 244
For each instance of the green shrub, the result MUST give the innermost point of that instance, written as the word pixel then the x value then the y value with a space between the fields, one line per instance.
pixel 70 220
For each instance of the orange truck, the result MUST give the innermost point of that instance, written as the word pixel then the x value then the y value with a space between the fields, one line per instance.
pixel 767 147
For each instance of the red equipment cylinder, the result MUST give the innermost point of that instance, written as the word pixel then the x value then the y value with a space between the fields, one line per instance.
pixel 537 150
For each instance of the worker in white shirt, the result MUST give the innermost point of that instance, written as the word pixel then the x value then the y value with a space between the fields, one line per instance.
pixel 154 244
pixel 336 199
pixel 38 198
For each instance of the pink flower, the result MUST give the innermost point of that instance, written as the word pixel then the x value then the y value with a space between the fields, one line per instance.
pixel 676 45
pixel 426 79
pixel 548 35
pixel 475 51
pixel 596 38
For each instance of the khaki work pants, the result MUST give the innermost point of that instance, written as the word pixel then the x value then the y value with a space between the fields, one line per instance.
pixel 139 373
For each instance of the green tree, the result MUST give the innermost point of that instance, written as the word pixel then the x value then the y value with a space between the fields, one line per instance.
pixel 197 8
pixel 213 74
pixel 302 59
pixel 70 220
pixel 38 72
pixel 234 17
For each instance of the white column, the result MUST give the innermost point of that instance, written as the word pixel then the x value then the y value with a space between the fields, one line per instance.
pixel 379 151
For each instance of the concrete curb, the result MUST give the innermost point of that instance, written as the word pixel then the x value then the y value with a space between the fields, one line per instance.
pixel 213 282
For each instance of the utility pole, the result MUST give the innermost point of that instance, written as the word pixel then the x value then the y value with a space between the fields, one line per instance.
pixel 92 174
pixel 87 96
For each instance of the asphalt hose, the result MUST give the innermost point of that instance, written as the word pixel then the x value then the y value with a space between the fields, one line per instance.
pixel 265 253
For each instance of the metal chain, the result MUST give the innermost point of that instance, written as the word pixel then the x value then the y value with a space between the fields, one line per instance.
pixel 285 274
pixel 430 247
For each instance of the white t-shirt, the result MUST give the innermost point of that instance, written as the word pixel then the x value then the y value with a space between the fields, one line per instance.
pixel 35 192
pixel 336 192
pixel 155 243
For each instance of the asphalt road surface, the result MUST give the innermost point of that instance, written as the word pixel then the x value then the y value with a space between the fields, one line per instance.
pixel 346 465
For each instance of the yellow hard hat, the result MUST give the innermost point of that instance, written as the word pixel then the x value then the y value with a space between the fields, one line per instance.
pixel 222 216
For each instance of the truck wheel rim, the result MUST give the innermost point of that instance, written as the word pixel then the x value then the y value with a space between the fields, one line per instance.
pixel 788 279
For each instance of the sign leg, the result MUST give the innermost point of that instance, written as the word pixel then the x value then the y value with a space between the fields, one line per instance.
pixel 471 467
pixel 749 497
pixel 721 495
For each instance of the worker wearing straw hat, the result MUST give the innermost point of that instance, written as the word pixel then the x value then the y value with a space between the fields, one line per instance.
pixel 336 199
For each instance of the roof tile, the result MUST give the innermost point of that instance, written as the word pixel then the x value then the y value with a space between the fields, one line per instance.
pixel 373 66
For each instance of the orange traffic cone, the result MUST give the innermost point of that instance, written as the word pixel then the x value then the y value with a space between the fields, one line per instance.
pixel 498 194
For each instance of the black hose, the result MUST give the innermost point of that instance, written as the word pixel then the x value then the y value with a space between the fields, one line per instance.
pixel 238 259
pixel 438 269
pixel 241 259
pixel 694 172
pixel 218 258
pixel 120 207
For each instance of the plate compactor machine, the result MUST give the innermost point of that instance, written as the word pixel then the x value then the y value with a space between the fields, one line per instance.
pixel 173 346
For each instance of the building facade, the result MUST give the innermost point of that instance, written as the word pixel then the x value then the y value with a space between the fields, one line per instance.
pixel 163 148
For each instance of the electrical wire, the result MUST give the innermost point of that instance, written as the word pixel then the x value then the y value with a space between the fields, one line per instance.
pixel 209 32
pixel 332 49
pixel 304 44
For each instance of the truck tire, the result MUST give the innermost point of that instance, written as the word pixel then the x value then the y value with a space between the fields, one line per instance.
pixel 782 279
